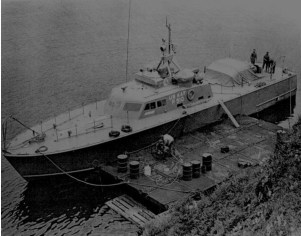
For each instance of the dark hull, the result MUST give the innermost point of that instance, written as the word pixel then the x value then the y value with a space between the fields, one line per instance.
pixel 84 160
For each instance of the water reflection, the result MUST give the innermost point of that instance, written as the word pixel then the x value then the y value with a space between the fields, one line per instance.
pixel 67 208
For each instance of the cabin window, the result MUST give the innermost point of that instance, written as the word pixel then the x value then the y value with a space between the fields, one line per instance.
pixel 132 106
pixel 153 105
pixel 161 103
pixel 150 106
pixel 180 105
pixel 201 97
pixel 147 107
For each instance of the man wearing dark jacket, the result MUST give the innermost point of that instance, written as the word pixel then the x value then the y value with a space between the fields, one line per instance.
pixel 253 57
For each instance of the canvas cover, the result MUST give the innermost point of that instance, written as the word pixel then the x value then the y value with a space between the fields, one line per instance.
pixel 230 72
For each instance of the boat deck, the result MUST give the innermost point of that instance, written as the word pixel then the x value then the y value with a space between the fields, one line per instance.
pixel 249 145
pixel 88 125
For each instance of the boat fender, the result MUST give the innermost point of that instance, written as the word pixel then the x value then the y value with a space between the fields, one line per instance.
pixel 190 95
pixel 114 133
pixel 42 149
pixel 126 128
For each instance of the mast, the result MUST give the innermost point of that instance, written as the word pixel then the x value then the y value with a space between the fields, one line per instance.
pixel 127 48
pixel 169 35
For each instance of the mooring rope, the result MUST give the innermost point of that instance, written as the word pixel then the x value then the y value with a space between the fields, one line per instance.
pixel 111 185
pixel 82 181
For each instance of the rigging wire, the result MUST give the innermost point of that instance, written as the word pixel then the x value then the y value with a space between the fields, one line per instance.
pixel 23 125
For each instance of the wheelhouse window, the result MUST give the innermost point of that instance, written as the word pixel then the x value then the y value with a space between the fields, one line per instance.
pixel 153 105
pixel 161 103
pixel 150 106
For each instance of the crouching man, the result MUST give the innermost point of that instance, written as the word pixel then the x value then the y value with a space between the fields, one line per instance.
pixel 165 145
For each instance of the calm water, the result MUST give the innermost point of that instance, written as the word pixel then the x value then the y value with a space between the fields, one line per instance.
pixel 58 54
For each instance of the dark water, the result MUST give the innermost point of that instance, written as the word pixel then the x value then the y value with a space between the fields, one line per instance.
pixel 58 54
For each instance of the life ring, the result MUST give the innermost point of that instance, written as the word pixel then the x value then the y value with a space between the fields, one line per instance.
pixel 190 95
pixel 114 133
pixel 42 149
pixel 126 128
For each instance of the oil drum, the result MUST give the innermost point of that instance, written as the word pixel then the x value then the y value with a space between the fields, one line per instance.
pixel 207 161
pixel 196 169
pixel 187 171
pixel 122 163
pixel 134 169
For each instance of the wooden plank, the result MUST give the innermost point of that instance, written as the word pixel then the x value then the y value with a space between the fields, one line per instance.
pixel 145 215
pixel 121 206
pixel 131 210
pixel 126 213
pixel 138 206
pixel 128 201
pixel 124 203
pixel 149 213
pixel 228 113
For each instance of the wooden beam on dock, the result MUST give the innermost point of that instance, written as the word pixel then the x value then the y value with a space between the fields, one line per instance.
pixel 228 113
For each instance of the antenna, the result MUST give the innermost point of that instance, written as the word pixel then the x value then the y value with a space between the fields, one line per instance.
pixel 127 48
pixel 169 35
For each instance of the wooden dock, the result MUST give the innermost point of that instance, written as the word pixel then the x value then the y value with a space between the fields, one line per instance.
pixel 248 145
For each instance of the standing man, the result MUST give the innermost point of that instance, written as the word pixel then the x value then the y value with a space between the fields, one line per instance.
pixel 266 62
pixel 253 57
pixel 272 65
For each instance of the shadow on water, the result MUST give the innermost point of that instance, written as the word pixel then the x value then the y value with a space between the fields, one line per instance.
pixel 43 200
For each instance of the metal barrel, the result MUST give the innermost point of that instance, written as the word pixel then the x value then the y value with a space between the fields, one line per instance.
pixel 196 169
pixel 207 161
pixel 122 163
pixel 134 169
pixel 187 171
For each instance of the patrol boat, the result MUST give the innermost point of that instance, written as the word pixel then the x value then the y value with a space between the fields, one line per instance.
pixel 161 98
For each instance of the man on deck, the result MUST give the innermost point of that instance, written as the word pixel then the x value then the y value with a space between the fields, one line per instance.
pixel 266 62
pixel 253 57
pixel 164 145
pixel 168 140
pixel 272 65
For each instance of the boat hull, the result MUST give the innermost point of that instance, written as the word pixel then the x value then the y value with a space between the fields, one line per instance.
pixel 34 167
